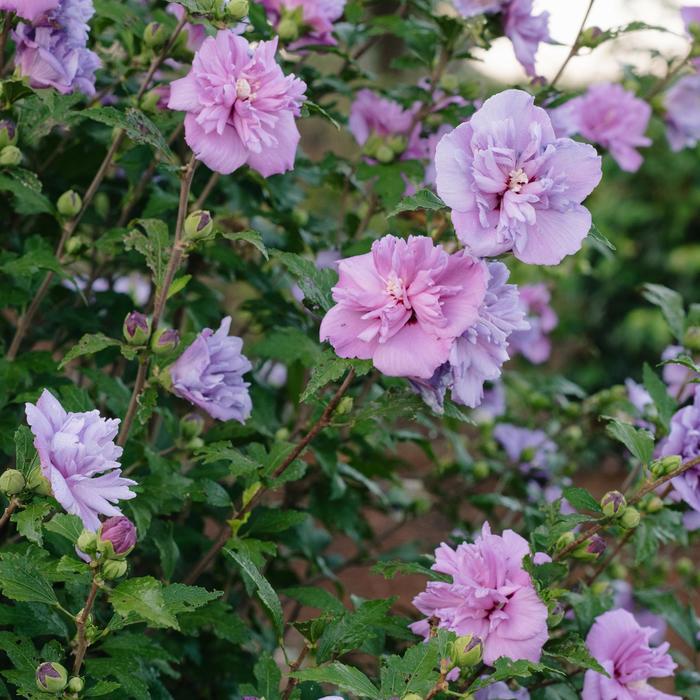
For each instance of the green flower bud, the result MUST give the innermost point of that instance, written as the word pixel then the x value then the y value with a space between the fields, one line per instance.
pixel 155 35
pixel 481 470
pixel 591 37
pixel 600 587
pixel 345 405
pixel 384 154
pixel 12 482
pixel 613 504
pixel 38 483
pixel 198 225
pixel 467 651
pixel 149 102
pixel 101 204
pixel 371 145
pixel 691 339
pixel 397 144
pixel 411 696
pixel 76 684
pixel 556 615
pixel 191 425
pixel 287 29
pixel 630 518
pixel 10 156
pixel 8 133
pixel 51 677
pixel 591 549
pixel 87 542
pixel 282 434
pixel 236 10
pixel 654 504
pixel 300 216
pixel 618 571
pixel 136 328
pixel 665 465
pixel 113 568
pixel 449 82
pixel 685 567
pixel 564 541
pixel 69 204
pixel 164 341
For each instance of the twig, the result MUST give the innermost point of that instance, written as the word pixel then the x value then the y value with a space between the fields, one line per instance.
pixel 69 228
pixel 80 622
pixel 6 26
pixel 292 682
pixel 203 564
pixel 604 565
pixel 11 508
pixel 574 47
pixel 162 296
pixel 211 184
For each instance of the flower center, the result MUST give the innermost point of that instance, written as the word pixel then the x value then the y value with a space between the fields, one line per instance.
pixel 243 90
pixel 394 287
pixel 516 180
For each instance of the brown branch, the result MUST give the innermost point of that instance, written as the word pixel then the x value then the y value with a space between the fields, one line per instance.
pixel 203 564
pixel 292 682
pixel 69 227
pixel 11 508
pixel 211 184
pixel 162 296
pixel 574 47
pixel 80 623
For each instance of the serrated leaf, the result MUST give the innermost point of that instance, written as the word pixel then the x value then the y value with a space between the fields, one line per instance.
pixel 153 243
pixel 638 441
pixel 239 464
pixel 505 669
pixel 266 593
pixel 252 237
pixel 415 672
pixel 314 282
pixel 671 305
pixel 178 285
pixel 330 368
pixel 29 521
pixel 665 404
pixel 310 108
pixel 423 199
pixel 318 598
pixel 31 263
pixel 22 580
pixel 573 650
pixel 288 345
pixel 26 199
pixel 143 598
pixel 68 526
pixel 180 598
pixel 581 499
pixel 89 344
pixel 138 127
pixel 25 453
pixel 346 678
pixel 268 675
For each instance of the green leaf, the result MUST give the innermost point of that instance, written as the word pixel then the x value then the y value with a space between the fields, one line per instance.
pixel 239 464
pixel 315 283
pixel 679 616
pixel 144 599
pixel 266 593
pixel 505 669
pixel 415 672
pixel 180 598
pixel 665 404
pixel 268 675
pixel 22 580
pixel 178 285
pixel 315 598
pixel 346 678
pixel 600 238
pixel 154 245
pixel 390 569
pixel 25 454
pixel 330 368
pixel 139 128
pixel 638 441
pixel 581 499
pixel 68 526
pixel 29 520
pixel 671 305
pixel 269 521
pixel 573 650
pixel 310 109
pixel 26 199
pixel 252 237
pixel 31 263
pixel 423 199
pixel 288 345
pixel 89 344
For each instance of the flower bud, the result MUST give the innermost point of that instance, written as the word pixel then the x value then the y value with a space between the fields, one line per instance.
pixel 397 144
pixel 87 542
pixel 38 483
pixel 449 82
pixel 481 470
pixel 198 225
pixel 412 696
pixel 191 425
pixel 136 328
pixel 12 482
pixel 10 156
pixel 564 541
pixel 164 341
pixel 556 615
pixel 119 534
pixel 155 35
pixel 300 216
pixel 613 504
pixel 69 204
pixel 288 29
pixel 591 37
pixel 618 570
pixel 51 677
pixel 113 568
pixel 345 406
pixel 630 519
pixel 685 567
pixel 236 10
pixel 8 133
pixel 600 588
pixel 654 504
pixel 384 154
pixel 76 684
pixel 101 204
pixel 467 651
pixel 591 549
pixel 665 465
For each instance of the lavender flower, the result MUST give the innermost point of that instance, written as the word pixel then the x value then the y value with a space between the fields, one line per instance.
pixel 682 103
pixel 684 440
pixel 526 32
pixel 501 691
pixel 74 448
pixel 531 450
pixel 677 377
pixel 623 599
pixel 534 342
pixel 479 353
pixel 209 374
pixel 54 53
pixel 472 8
pixel 120 531
pixel 31 10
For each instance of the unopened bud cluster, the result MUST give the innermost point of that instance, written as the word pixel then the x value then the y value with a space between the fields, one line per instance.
pixel 109 546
